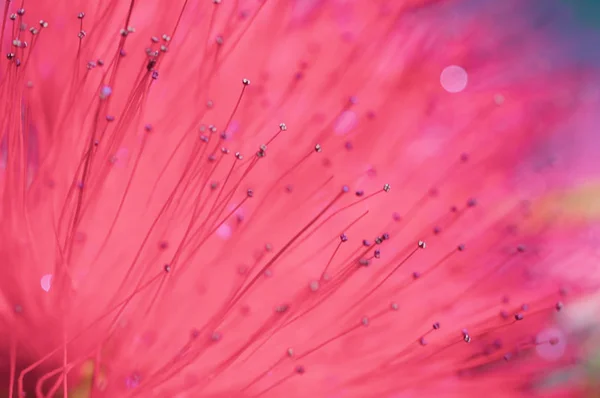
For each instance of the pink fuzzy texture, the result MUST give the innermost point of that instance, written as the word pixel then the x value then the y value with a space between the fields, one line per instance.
pixel 137 263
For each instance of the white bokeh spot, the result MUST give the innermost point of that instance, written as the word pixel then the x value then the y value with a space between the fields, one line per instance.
pixel 551 352
pixel 46 282
pixel 224 231
pixel 345 123
pixel 454 79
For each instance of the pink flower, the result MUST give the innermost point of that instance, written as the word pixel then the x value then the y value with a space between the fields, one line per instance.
pixel 291 199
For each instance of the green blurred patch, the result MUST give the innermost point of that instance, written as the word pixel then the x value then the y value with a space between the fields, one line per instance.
pixel 587 11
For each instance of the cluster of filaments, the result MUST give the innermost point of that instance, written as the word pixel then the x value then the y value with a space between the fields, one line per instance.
pixel 353 277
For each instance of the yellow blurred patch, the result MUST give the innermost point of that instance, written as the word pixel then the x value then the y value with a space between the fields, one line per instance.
pixel 572 206
pixel 84 388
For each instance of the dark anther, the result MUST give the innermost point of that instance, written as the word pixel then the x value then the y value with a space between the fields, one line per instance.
pixel 151 64
pixel 364 262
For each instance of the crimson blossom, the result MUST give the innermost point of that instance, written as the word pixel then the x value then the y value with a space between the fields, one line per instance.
pixel 295 198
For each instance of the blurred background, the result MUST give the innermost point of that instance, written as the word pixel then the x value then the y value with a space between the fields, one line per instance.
pixel 586 11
